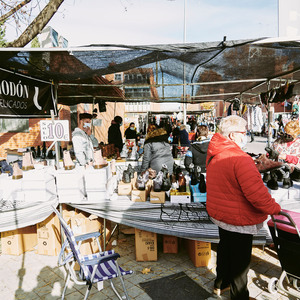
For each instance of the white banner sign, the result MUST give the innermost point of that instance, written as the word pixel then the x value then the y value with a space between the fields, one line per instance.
pixel 57 130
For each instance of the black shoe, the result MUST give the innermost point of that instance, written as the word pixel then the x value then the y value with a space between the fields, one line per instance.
pixel 272 183
pixel 279 173
pixel 130 170
pixel 198 173
pixel 157 182
pixel 126 177
pixel 287 183
pixel 266 177
pixel 166 184
pixel 295 175
pixel 202 184
pixel 273 154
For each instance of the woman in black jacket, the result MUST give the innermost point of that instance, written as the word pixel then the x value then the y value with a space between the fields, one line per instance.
pixel 114 132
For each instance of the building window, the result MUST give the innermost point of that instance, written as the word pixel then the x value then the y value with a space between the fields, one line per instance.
pixel 118 77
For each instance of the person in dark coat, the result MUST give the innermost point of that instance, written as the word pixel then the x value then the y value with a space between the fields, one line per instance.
pixel 176 132
pixel 130 132
pixel 114 132
pixel 198 150
pixel 184 137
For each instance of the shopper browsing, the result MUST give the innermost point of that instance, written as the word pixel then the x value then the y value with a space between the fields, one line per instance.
pixel 288 145
pixel 198 150
pixel 83 140
pixel 157 150
pixel 237 202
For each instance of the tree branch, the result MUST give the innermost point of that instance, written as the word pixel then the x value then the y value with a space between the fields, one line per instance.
pixel 37 24
pixel 13 10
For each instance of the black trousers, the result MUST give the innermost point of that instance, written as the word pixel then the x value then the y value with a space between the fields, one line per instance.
pixel 233 263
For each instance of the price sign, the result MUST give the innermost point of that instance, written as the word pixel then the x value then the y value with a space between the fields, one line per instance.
pixel 57 130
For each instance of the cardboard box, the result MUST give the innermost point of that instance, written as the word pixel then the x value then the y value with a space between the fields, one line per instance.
pixel 38 185
pixel 12 188
pixel 180 197
pixel 16 242
pixel 199 252
pixel 96 179
pixel 138 195
pixel 124 189
pixel 157 197
pixel 170 244
pixel 196 195
pixel 82 223
pixel 48 236
pixel 145 245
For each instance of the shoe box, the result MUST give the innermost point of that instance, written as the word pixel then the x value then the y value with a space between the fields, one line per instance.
pixel 157 197
pixel 16 242
pixel 96 183
pixel 39 184
pixel 145 245
pixel 197 196
pixel 170 244
pixel 71 185
pixel 49 236
pixel 11 189
pixel 138 195
pixel 199 252
pixel 124 189
pixel 181 197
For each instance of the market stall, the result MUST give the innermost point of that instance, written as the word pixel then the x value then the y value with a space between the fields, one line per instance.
pixel 76 75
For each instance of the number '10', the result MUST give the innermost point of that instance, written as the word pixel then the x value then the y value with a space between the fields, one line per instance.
pixel 58 131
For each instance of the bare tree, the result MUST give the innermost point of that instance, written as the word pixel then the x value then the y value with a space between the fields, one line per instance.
pixel 37 25
pixel 13 10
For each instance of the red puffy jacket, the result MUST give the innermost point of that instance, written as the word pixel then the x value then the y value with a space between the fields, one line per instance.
pixel 236 193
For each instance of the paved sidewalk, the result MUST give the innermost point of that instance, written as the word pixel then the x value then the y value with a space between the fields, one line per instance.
pixel 32 276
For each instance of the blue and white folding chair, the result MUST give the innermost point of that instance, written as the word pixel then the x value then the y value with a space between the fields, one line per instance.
pixel 94 267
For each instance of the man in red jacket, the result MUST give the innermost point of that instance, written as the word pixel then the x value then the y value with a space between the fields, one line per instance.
pixel 237 201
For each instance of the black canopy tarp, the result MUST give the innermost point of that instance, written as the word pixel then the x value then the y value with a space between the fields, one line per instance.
pixel 214 71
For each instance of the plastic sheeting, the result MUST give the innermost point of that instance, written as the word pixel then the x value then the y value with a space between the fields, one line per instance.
pixel 182 220
pixel 214 71
pixel 14 215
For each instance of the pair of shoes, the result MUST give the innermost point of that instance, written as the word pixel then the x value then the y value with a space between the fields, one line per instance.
pixel 219 292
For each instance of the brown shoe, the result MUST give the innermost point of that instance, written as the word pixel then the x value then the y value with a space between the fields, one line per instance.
pixel 17 172
pixel 99 161
pixel 265 164
pixel 27 162
pixel 68 162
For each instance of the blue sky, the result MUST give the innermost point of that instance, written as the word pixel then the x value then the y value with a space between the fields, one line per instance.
pixel 138 22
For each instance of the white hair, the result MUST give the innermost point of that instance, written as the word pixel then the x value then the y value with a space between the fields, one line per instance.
pixel 232 123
